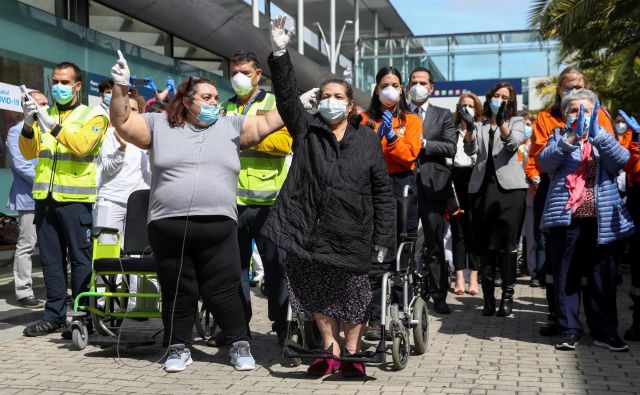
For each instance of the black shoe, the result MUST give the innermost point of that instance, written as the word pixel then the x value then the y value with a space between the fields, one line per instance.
pixel 535 283
pixel 506 306
pixel 30 302
pixel 548 330
pixel 280 328
pixel 41 328
pixel 567 342
pixel 441 307
pixel 633 333
pixel 489 308
pixel 612 343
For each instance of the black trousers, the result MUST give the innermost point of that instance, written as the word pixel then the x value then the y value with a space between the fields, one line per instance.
pixel 633 205
pixel 433 225
pixel 542 243
pixel 574 254
pixel 460 223
pixel 250 221
pixel 209 268
pixel 63 228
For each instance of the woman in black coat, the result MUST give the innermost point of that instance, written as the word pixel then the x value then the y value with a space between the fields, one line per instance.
pixel 336 204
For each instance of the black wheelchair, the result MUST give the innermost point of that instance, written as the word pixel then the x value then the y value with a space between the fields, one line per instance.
pixel 304 341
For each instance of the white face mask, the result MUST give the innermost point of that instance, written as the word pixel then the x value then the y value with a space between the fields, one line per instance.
pixel 332 110
pixel 471 111
pixel 418 93
pixel 241 84
pixel 621 127
pixel 389 96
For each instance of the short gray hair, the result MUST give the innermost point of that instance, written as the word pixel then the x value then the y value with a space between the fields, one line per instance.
pixel 582 94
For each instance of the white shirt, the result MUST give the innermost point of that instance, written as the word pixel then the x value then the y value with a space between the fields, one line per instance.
pixel 121 173
pixel 425 105
pixel 461 159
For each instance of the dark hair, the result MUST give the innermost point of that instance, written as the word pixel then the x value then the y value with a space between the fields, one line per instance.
pixel 133 94
pixel 104 85
pixel 424 70
pixel 348 89
pixel 477 106
pixel 176 111
pixel 77 77
pixel 155 106
pixel 556 111
pixel 375 112
pixel 510 109
pixel 245 56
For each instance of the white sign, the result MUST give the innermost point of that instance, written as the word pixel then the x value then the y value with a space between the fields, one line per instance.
pixel 10 97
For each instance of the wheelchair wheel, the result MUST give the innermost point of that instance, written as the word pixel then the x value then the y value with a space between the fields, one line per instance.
pixel 400 350
pixel 80 336
pixel 205 324
pixel 295 335
pixel 421 330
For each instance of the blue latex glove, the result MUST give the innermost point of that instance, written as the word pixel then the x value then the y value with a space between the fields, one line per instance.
pixel 385 129
pixel 171 84
pixel 593 125
pixel 631 121
pixel 132 80
pixel 580 123
pixel 148 83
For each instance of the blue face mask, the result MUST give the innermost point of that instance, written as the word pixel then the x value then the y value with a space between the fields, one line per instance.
pixel 62 93
pixel 208 114
pixel 528 130
pixel 106 99
pixel 495 105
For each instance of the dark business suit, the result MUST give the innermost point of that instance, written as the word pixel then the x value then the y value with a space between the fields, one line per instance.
pixel 434 184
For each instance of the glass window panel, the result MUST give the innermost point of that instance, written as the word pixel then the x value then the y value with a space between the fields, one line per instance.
pixel 524 64
pixel 45 5
pixel 473 67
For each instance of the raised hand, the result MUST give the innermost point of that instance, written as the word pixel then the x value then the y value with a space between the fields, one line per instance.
pixel 579 128
pixel 279 36
pixel 385 129
pixel 148 83
pixel 30 109
pixel 500 114
pixel 171 85
pixel 309 99
pixel 467 119
pixel 593 123
pixel 631 121
pixel 120 71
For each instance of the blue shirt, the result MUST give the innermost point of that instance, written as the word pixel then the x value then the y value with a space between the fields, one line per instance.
pixel 23 173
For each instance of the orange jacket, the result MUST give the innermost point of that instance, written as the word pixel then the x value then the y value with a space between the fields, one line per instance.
pixel 401 155
pixel 632 168
pixel 531 169
pixel 545 122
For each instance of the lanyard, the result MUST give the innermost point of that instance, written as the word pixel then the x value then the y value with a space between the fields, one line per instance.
pixel 249 103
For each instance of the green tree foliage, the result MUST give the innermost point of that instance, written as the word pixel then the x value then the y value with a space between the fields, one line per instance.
pixel 603 38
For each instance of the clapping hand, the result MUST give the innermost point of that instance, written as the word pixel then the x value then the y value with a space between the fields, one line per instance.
pixel 385 129
pixel 593 124
pixel 467 119
pixel 579 123
pixel 279 36
pixel 631 121
pixel 148 83
pixel 171 85
pixel 500 114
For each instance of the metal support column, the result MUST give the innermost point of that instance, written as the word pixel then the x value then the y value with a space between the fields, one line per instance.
pixel 375 42
pixel 300 28
pixel 332 27
pixel 255 12
pixel 356 37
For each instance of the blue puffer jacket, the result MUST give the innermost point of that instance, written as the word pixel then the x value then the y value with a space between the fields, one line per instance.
pixel 559 159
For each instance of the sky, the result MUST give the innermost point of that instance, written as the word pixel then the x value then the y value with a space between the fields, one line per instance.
pixel 463 16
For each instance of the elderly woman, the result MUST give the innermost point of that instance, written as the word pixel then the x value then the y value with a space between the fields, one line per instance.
pixel 497 192
pixel 585 218
pixel 192 209
pixel 336 204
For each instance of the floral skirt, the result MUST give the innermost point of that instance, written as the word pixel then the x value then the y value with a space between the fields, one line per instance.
pixel 325 289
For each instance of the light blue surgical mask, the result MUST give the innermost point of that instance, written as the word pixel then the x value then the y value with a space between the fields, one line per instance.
pixel 528 130
pixel 208 114
pixel 106 99
pixel 332 110
pixel 495 105
pixel 62 94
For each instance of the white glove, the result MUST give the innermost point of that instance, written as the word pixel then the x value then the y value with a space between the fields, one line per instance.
pixel 30 109
pixel 44 119
pixel 535 180
pixel 279 36
pixel 120 71
pixel 424 143
pixel 309 99
pixel 382 252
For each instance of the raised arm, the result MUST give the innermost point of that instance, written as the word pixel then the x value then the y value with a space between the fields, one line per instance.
pixel 131 127
pixel 256 128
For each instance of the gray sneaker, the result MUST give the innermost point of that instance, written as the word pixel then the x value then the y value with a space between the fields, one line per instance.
pixel 178 360
pixel 241 357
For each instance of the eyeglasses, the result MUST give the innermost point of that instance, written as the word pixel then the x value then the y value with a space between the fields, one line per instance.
pixel 569 88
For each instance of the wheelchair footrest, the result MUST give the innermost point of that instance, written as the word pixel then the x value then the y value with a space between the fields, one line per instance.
pixel 363 357
pixel 128 341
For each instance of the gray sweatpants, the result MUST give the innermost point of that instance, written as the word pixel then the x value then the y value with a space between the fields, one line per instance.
pixel 24 250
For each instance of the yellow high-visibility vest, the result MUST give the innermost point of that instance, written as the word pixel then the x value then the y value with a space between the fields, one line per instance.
pixel 67 177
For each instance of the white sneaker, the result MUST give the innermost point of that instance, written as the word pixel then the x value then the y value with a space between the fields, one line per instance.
pixel 178 360
pixel 241 357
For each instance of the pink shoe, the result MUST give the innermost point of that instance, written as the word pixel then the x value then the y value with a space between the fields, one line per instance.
pixel 353 369
pixel 323 366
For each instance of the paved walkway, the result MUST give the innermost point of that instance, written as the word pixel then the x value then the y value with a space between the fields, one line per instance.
pixel 469 353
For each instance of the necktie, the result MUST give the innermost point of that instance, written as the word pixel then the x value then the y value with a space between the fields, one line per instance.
pixel 420 112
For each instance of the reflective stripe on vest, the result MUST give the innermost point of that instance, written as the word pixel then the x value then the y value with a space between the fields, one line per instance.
pixel 261 174
pixel 67 177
